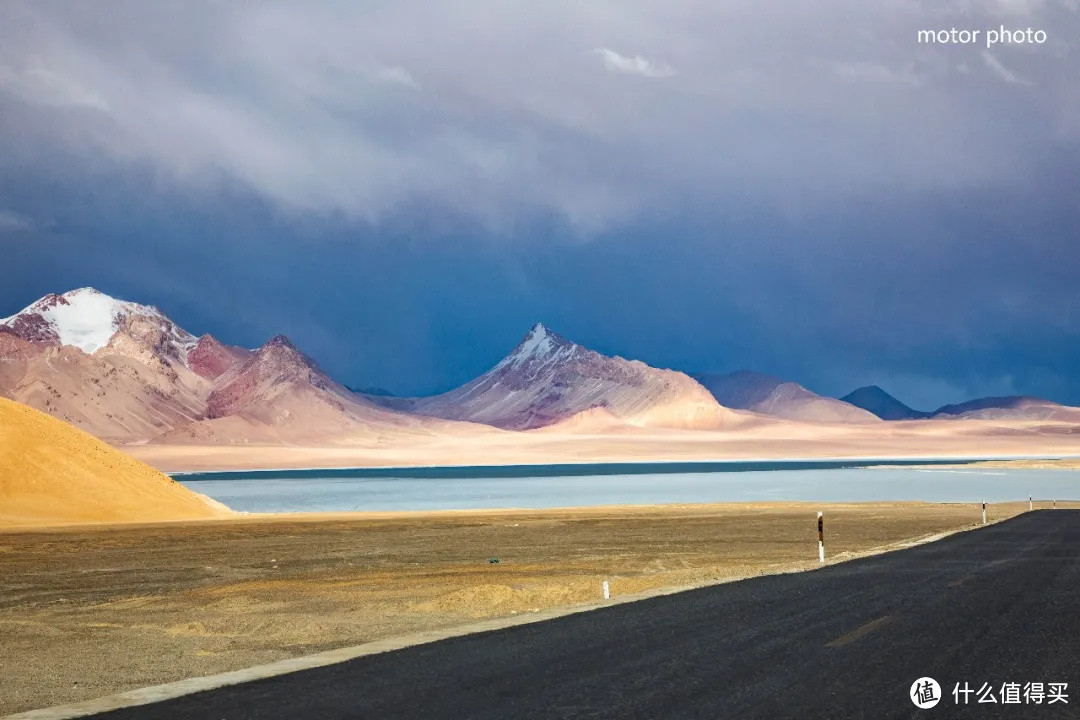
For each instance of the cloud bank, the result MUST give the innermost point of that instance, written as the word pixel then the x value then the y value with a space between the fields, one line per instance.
pixel 500 113
pixel 799 188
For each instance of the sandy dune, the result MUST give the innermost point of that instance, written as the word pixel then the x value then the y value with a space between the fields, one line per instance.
pixel 52 473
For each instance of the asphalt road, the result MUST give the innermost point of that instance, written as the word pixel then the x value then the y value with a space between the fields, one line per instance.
pixel 1000 604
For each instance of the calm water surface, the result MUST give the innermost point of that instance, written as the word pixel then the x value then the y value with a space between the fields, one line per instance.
pixel 632 484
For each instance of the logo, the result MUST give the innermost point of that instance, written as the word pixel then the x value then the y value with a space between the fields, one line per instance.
pixel 925 693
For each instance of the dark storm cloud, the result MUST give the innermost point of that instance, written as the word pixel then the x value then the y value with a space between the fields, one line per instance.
pixel 795 187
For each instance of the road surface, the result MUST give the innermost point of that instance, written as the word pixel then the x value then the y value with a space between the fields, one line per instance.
pixel 1000 604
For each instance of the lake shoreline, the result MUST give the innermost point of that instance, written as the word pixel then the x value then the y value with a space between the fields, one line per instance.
pixel 550 488
pixel 659 467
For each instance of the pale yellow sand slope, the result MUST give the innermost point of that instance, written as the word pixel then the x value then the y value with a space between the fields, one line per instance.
pixel 53 473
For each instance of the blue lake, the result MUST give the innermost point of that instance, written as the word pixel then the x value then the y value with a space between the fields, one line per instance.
pixel 544 486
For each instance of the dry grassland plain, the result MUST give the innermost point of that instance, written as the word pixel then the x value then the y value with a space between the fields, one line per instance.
pixel 86 612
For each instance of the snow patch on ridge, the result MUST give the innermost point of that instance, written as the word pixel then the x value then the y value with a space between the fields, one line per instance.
pixel 547 379
pixel 87 319
pixel 539 345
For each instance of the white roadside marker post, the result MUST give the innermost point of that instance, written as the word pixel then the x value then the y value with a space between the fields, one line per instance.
pixel 984 513
pixel 820 538
pixel 607 590
pixel 1031 505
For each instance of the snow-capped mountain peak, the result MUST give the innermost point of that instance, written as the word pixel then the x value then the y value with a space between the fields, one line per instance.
pixel 548 379
pixel 539 345
pixel 126 372
pixel 87 319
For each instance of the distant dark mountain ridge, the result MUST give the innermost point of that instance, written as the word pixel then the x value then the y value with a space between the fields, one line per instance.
pixel 1008 402
pixel 873 399
pixel 1010 407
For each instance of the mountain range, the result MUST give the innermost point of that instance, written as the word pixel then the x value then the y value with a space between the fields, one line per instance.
pixel 768 395
pixel 548 379
pixel 875 400
pixel 1010 407
pixel 128 374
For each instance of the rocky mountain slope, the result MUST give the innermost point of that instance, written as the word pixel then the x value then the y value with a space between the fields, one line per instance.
pixel 127 373
pixel 1013 407
pixel 768 395
pixel 548 379
pixel 277 393
pixel 113 368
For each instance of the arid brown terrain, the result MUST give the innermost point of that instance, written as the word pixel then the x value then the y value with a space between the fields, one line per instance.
pixel 88 612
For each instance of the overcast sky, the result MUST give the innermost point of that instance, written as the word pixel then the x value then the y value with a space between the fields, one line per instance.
pixel 404 188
